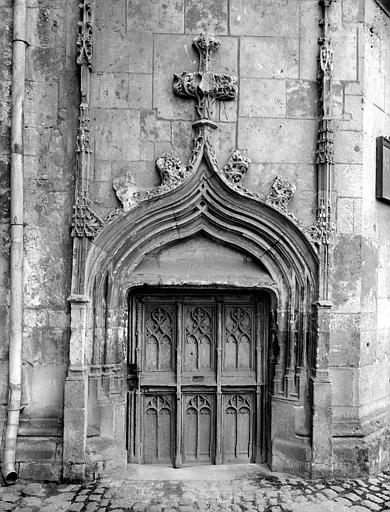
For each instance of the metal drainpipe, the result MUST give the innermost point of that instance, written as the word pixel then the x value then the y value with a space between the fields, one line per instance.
pixel 16 265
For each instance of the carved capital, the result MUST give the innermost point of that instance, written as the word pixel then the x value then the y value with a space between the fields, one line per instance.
pixel 280 194
pixel 84 44
pixel 85 222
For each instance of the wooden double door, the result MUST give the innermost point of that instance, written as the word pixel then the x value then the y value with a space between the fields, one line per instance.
pixel 200 393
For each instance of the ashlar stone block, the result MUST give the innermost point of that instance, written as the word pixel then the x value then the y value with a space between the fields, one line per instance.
pixel 345 54
pixel 348 147
pixel 345 386
pixel 266 18
pixel 110 16
pixel 309 34
pixel 345 215
pixel 157 16
pixel 352 113
pixel 374 84
pixel 47 390
pixel 44 64
pixel 278 140
pixel 374 382
pixel 347 274
pixel 182 134
pixel 262 97
pixel 109 90
pixel 116 134
pixel 111 52
pixel 302 99
pixel 140 46
pixel 102 170
pixel 154 129
pixel 345 349
pixel 208 16
pixel 269 57
pixel 121 90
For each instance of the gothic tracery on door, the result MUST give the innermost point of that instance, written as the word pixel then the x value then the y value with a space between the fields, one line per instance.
pixel 201 391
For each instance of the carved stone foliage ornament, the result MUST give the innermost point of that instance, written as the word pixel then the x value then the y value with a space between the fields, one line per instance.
pixel 85 222
pixel 280 194
pixel 236 168
pixel 322 232
pixel 84 38
pixel 205 86
pixel 125 189
pixel 172 174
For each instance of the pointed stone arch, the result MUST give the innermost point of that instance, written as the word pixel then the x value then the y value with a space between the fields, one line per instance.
pixel 205 203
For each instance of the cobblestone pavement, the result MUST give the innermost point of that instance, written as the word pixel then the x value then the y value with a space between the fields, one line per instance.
pixel 252 491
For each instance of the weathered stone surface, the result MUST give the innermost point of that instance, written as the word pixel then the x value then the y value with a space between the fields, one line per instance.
pixel 135 117
pixel 258 135
pixel 279 19
pixel 262 98
pixel 209 16
pixel 302 99
pixel 269 57
pixel 117 134
pixel 157 16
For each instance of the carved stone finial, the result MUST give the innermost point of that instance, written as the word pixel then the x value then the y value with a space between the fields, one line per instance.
pixel 84 38
pixel 280 194
pixel 206 44
pixel 205 86
pixel 85 222
pixel 236 168
pixel 125 188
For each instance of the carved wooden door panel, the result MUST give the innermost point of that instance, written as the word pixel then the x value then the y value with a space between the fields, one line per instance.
pixel 198 426
pixel 201 368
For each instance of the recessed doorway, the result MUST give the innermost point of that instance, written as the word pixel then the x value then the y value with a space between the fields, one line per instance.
pixel 200 395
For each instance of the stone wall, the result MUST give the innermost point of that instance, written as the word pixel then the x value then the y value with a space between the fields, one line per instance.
pixel 136 116
pixel 360 338
pixel 50 118
pixel 272 46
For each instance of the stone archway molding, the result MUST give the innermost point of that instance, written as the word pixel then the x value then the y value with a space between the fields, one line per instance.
pixel 200 198
pixel 211 201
